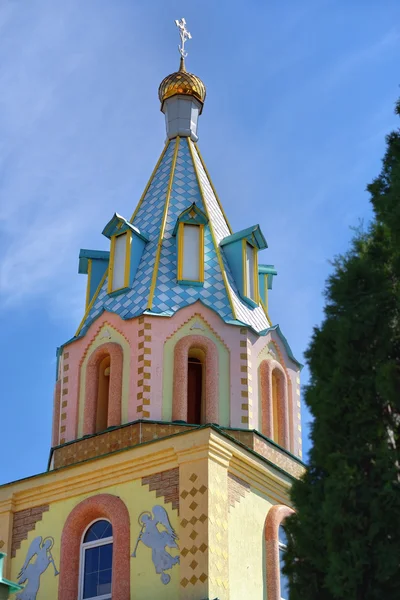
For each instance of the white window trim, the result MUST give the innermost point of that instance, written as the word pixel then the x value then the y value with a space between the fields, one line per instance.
pixel 83 547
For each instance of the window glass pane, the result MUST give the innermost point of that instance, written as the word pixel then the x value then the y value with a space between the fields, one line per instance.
pixel 250 270
pixel 92 560
pixel 118 280
pixel 99 530
pixel 283 579
pixel 104 585
pixel 191 250
pixel 282 536
pixel 105 560
pixel 90 585
pixel 98 570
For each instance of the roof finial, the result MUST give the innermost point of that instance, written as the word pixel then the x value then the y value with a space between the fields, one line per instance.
pixel 185 35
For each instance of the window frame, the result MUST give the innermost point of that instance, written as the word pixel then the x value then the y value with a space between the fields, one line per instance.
pixel 82 549
pixel 127 265
pixel 246 292
pixel 181 250
pixel 281 546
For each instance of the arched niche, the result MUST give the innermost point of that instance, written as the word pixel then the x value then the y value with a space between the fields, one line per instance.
pixel 201 349
pixel 103 393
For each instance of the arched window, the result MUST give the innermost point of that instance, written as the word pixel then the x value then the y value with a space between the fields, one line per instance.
pixel 283 580
pixel 103 389
pixel 274 402
pixel 103 393
pixel 275 544
pixel 96 562
pixel 196 375
pixel 78 535
pixel 195 388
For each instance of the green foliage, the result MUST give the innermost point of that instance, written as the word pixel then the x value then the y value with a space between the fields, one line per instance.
pixel 344 540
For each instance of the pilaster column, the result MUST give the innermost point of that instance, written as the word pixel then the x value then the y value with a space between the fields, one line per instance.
pixel 203 512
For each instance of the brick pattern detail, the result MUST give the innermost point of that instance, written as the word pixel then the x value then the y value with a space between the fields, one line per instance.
pixel 245 379
pixel 166 485
pixel 194 528
pixel 24 522
pixel 269 451
pixel 237 489
pixel 64 379
pixel 138 433
pixel 111 441
pixel 144 368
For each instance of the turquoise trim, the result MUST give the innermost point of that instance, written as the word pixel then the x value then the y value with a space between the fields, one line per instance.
pixel 268 270
pixel 85 255
pixel 199 219
pixel 12 587
pixel 284 342
pixel 252 234
pixel 58 355
pixel 119 224
pixel 120 291
pixel 189 282
pixel 249 301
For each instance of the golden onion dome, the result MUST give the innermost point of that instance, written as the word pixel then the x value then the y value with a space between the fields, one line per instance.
pixel 183 83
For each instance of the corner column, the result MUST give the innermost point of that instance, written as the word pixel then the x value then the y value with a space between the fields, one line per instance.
pixel 203 512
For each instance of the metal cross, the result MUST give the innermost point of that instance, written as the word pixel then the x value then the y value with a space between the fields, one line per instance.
pixel 185 35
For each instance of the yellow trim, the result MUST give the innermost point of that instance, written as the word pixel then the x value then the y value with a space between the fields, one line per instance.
pixel 181 250
pixel 213 188
pixel 91 303
pixel 201 252
pixel 163 223
pixel 246 292
pixel 89 276
pixel 127 261
pixel 217 250
pixel 128 248
pixel 149 181
pixel 244 262
pixel 255 269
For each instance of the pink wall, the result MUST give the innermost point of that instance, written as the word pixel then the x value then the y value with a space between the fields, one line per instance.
pixel 146 337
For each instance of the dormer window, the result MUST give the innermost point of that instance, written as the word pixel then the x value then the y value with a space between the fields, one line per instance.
pixel 250 271
pixel 127 245
pixel 189 230
pixel 119 263
pixel 241 251
pixel 190 253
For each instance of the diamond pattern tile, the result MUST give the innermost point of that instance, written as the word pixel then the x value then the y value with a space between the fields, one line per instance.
pixel 169 297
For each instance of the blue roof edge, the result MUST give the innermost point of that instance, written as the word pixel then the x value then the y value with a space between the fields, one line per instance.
pixel 85 255
pixel 112 228
pixel 284 342
pixel 249 231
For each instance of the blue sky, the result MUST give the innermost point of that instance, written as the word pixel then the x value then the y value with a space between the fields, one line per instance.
pixel 299 98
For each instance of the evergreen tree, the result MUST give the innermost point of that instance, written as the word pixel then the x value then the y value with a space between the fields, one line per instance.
pixel 344 540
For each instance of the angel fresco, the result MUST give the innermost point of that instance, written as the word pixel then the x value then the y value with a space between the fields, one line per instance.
pixel 157 540
pixel 32 570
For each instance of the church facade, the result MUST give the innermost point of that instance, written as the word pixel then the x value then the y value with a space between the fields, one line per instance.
pixel 176 425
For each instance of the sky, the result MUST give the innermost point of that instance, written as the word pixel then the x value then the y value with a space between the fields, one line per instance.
pixel 300 96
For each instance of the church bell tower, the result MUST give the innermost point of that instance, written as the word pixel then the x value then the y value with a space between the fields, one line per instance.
pixel 176 419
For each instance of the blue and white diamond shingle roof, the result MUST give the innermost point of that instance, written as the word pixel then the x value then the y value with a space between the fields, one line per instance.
pixel 190 183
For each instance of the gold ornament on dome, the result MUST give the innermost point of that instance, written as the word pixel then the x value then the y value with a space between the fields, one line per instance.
pixel 182 82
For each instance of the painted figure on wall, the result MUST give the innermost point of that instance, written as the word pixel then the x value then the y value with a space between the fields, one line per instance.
pixel 32 571
pixel 157 540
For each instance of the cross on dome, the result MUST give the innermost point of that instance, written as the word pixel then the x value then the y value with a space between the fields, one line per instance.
pixel 184 34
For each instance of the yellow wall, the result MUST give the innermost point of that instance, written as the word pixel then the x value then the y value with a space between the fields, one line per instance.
pixel 100 339
pixel 247 559
pixel 224 368
pixel 145 583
